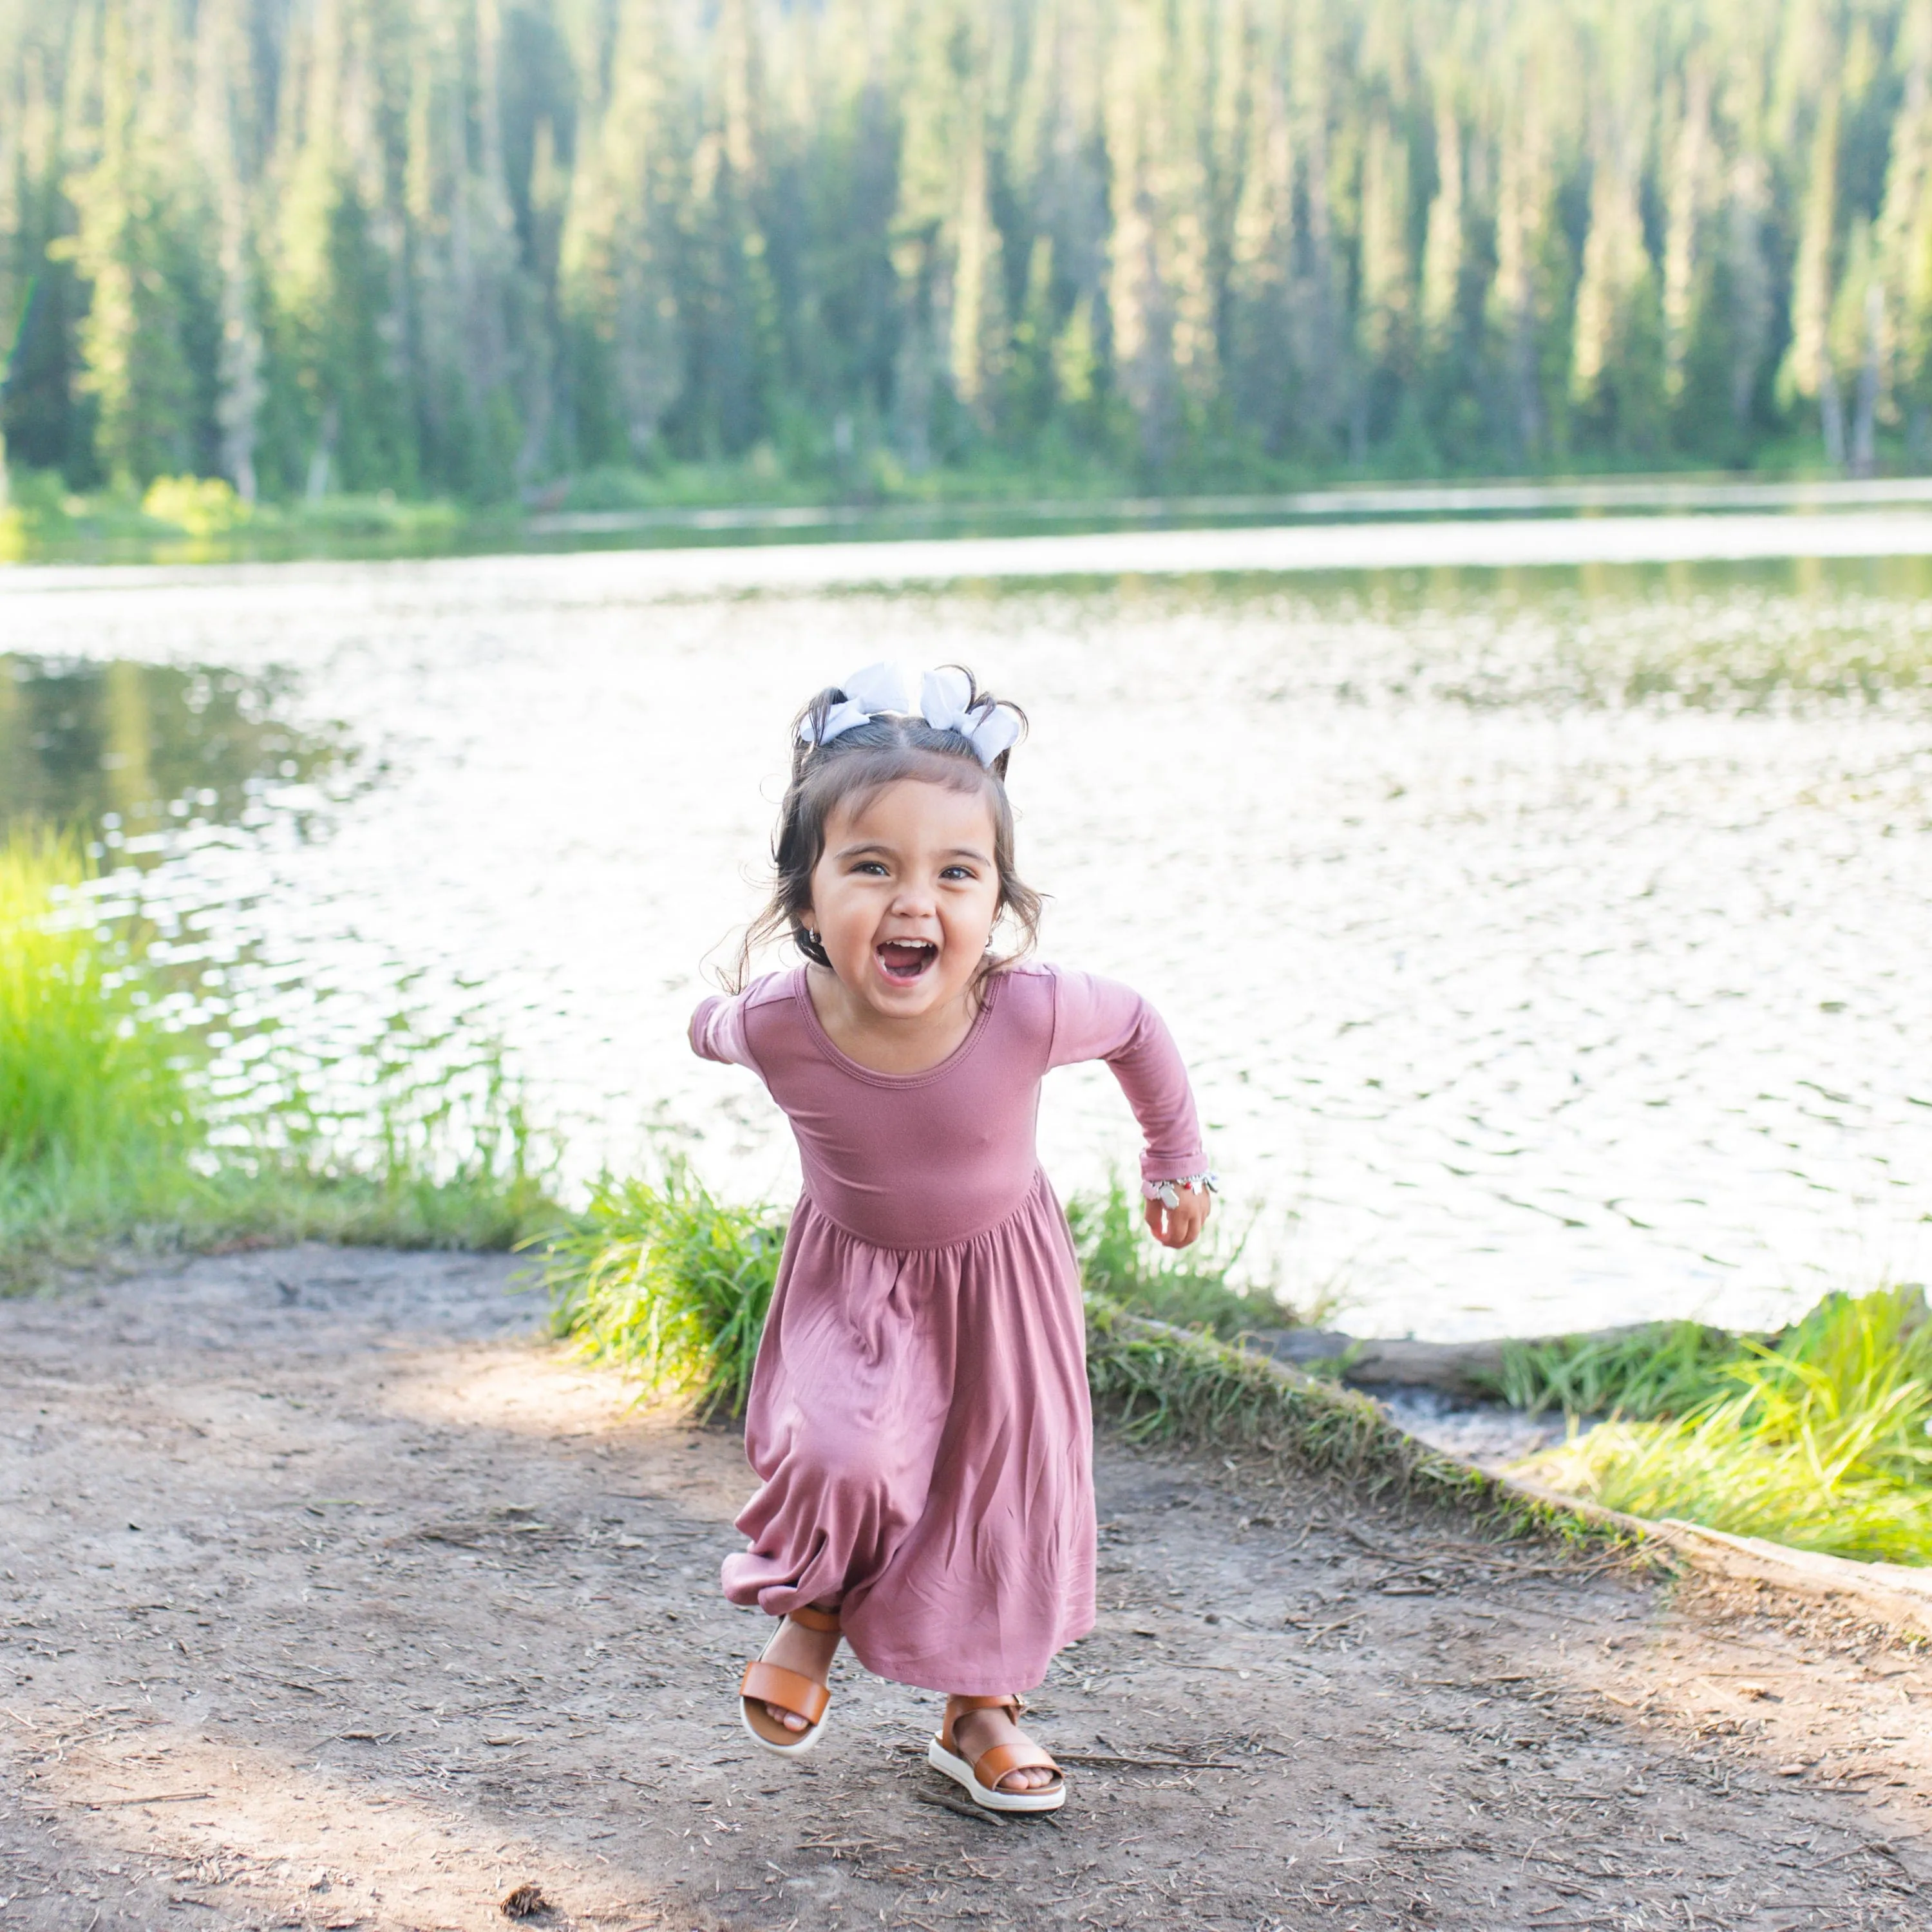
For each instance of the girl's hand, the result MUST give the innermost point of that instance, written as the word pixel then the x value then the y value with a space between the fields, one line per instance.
pixel 1179 1227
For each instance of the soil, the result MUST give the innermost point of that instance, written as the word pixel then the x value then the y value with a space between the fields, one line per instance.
pixel 333 1597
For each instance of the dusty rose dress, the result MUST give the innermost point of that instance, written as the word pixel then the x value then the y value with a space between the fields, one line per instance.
pixel 919 1414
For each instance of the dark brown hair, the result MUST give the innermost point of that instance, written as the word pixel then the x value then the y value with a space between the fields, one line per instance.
pixel 852 769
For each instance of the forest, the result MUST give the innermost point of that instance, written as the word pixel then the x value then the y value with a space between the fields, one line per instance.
pixel 491 250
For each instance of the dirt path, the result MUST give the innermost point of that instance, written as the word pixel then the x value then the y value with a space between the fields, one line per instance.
pixel 330 1600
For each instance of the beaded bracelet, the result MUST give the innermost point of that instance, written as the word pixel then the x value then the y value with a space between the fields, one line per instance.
pixel 1168 1193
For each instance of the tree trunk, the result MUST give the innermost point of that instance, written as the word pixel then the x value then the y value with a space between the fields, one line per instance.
pixel 1864 422
pixel 1831 420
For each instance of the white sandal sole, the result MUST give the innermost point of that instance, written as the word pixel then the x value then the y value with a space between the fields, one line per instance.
pixel 806 1739
pixel 961 1772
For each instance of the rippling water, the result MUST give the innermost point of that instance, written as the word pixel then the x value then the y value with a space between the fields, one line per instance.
pixel 1549 945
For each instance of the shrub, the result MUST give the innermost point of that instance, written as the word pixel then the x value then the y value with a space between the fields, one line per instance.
pixel 203 506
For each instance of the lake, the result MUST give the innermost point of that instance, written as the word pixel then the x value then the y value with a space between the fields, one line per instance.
pixel 1544 912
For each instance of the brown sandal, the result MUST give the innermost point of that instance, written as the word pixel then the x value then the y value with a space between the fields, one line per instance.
pixel 765 1683
pixel 982 1777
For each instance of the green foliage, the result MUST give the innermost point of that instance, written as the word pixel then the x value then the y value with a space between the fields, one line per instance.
pixel 1822 1439
pixel 107 1134
pixel 90 1091
pixel 661 1277
pixel 442 245
pixel 1662 1368
pixel 1119 1261
pixel 203 506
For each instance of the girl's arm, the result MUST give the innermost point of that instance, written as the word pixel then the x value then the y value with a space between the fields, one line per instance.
pixel 717 1030
pixel 1101 1019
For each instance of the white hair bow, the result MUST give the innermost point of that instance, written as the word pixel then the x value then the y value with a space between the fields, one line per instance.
pixel 990 729
pixel 943 703
pixel 879 687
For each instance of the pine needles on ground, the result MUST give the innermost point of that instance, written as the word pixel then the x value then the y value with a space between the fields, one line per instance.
pixel 662 1276
pixel 1822 1439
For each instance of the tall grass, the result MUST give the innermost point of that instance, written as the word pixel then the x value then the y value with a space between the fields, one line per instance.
pixel 1821 1439
pixel 107 1133
pixel 1662 1368
pixel 1192 1289
pixel 96 1110
pixel 661 1275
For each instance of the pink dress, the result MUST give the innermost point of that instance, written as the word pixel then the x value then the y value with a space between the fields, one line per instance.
pixel 919 1415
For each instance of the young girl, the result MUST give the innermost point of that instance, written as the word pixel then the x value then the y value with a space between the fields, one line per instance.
pixel 919 1414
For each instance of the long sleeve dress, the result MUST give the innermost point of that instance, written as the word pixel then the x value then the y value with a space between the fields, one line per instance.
pixel 918 1416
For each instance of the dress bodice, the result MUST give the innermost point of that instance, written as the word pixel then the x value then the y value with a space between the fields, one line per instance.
pixel 924 1159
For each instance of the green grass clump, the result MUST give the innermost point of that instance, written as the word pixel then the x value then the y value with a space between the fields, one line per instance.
pixel 1120 1262
pixel 95 1108
pixel 108 1137
pixel 1822 1439
pixel 662 1277
pixel 1664 1368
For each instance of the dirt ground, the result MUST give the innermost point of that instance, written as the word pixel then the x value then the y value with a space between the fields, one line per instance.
pixel 330 1598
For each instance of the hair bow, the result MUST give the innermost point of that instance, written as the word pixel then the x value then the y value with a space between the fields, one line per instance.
pixel 990 729
pixel 944 702
pixel 879 687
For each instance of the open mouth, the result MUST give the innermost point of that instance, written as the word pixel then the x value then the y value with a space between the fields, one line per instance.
pixel 902 960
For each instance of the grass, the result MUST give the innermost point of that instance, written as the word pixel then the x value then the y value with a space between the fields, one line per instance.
pixel 1662 1368
pixel 662 1277
pixel 109 1136
pixel 1820 1437
pixel 96 1116
pixel 1192 1289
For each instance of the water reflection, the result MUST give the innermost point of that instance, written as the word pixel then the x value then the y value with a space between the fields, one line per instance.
pixel 136 752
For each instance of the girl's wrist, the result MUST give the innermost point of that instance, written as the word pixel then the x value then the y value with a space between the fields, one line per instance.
pixel 1168 1193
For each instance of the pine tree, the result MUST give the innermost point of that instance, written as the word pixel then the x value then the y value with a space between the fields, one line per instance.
pixel 1614 378
pixel 1809 372
pixel 473 244
pixel 618 250
pixel 1443 249
pixel 135 359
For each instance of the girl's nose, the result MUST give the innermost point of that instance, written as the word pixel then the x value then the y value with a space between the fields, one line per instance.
pixel 914 900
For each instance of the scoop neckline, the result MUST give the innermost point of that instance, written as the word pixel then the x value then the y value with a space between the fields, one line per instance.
pixel 802 992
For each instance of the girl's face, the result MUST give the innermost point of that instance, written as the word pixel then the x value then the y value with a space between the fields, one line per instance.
pixel 905 895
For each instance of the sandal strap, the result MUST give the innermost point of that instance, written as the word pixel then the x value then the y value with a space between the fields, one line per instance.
pixel 958 1707
pixel 995 1764
pixel 826 1622
pixel 773 1684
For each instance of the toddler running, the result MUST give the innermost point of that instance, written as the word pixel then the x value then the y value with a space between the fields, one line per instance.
pixel 918 1418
